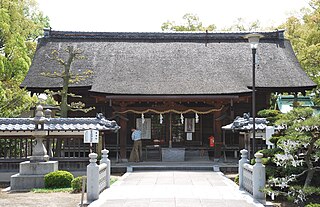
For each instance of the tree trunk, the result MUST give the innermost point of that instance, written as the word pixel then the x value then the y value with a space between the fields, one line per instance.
pixel 309 162
pixel 66 81
pixel 309 178
pixel 64 107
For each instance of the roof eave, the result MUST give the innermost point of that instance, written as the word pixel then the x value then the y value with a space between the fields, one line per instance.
pixel 287 89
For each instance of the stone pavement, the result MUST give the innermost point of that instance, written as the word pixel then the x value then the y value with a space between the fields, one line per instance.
pixel 174 189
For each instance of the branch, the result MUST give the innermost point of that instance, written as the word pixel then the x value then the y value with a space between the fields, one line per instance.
pixel 52 75
pixel 75 78
pixel 312 6
pixel 303 172
pixel 55 57
pixel 86 110
pixel 74 95
pixel 52 93
pixel 77 105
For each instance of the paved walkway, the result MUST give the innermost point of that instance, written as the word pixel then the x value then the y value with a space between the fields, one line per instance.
pixel 174 189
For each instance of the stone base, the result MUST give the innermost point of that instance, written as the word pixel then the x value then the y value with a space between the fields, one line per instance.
pixel 26 182
pixel 173 154
pixel 44 158
pixel 37 168
pixel 31 175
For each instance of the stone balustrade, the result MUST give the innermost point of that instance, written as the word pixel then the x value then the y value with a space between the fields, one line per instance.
pixel 252 178
pixel 98 176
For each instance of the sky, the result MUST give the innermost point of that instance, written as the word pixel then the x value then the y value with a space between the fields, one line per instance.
pixel 148 15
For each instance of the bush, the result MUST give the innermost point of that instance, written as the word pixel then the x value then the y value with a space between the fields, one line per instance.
pixel 270 115
pixel 236 179
pixel 270 152
pixel 313 205
pixel 58 179
pixel 76 184
pixel 309 194
pixel 113 180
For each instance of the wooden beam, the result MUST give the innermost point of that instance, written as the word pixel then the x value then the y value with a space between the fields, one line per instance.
pixel 161 98
pixel 16 133
pixel 163 109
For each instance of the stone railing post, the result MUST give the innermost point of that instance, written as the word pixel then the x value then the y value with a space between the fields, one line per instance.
pixel 242 161
pixel 259 179
pixel 106 160
pixel 92 178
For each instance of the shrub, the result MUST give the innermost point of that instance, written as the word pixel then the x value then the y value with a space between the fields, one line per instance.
pixel 307 195
pixel 270 115
pixel 313 205
pixel 270 152
pixel 58 179
pixel 76 184
pixel 236 179
pixel 113 180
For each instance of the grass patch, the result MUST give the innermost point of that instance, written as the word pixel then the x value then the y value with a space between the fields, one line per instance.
pixel 52 190
pixel 113 180
pixel 63 190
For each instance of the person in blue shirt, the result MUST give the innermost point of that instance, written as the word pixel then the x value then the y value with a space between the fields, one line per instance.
pixel 136 153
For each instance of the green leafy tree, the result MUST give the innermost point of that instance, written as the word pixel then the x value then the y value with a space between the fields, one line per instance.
pixel 299 143
pixel 13 100
pixel 241 25
pixel 191 23
pixel 302 129
pixel 304 34
pixel 20 24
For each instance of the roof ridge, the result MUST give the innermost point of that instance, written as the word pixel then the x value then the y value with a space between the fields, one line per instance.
pixel 188 35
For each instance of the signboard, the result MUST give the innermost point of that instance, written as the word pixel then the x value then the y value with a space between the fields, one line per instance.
pixel 145 127
pixel 91 136
pixel 189 136
pixel 189 125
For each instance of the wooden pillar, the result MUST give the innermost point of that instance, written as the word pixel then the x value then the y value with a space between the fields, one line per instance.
pixel 170 130
pixel 123 135
pixel 167 131
pixel 100 144
pixel 217 134
pixel 231 109
pixel 123 140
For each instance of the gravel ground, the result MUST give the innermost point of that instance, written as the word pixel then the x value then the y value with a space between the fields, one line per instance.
pixel 30 199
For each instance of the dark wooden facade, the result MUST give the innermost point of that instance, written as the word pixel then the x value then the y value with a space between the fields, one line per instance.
pixel 214 112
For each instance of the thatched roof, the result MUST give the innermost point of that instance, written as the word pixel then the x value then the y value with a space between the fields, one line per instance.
pixel 171 63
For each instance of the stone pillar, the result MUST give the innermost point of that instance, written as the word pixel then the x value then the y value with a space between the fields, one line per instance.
pixel 39 153
pixel 242 161
pixel 259 179
pixel 92 178
pixel 31 173
pixel 106 160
